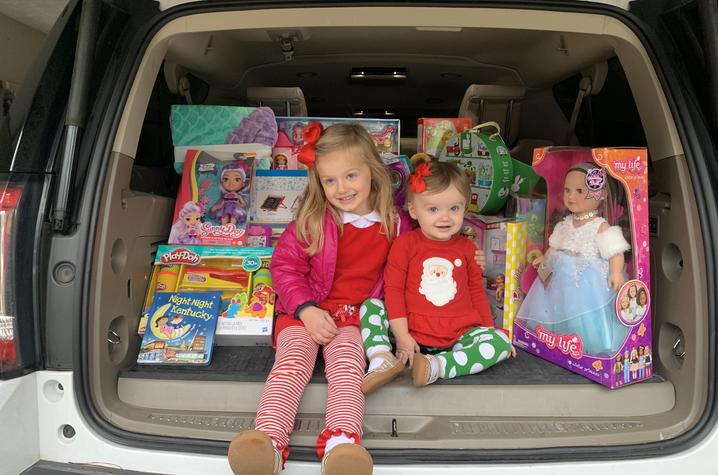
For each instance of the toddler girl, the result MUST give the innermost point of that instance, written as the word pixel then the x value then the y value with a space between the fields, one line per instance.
pixel 326 263
pixel 435 301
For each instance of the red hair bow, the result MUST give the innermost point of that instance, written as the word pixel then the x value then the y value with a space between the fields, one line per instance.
pixel 416 180
pixel 311 134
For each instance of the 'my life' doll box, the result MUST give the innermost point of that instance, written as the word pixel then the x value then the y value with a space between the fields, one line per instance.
pixel 573 318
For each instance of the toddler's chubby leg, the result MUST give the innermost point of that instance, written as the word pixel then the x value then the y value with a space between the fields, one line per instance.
pixel 383 365
pixel 478 349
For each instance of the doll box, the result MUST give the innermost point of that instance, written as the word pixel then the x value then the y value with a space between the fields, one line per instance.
pixel 213 201
pixel 627 357
pixel 384 132
pixel 440 137
pixel 239 274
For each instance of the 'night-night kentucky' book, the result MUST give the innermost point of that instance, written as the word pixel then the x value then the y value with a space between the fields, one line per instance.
pixel 180 328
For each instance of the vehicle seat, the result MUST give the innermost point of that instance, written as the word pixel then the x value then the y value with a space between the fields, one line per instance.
pixel 284 101
pixel 501 104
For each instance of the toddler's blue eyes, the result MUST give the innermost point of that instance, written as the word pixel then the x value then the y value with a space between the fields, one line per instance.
pixel 433 210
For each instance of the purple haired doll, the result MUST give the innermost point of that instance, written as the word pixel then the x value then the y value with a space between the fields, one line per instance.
pixel 231 207
pixel 186 230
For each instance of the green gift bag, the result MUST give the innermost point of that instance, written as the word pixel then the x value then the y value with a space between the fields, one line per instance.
pixel 492 173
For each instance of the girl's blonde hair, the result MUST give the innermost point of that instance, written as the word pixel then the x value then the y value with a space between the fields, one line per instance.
pixel 443 175
pixel 352 138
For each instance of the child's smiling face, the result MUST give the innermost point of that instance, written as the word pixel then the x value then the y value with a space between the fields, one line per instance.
pixel 625 301
pixel 440 215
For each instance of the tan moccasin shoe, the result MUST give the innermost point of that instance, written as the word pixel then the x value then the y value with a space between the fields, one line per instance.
pixel 389 369
pixel 251 453
pixel 347 459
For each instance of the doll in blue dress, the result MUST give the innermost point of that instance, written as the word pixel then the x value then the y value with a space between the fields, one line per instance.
pixel 582 270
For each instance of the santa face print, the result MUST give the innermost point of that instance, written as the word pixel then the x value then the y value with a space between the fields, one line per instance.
pixel 437 280
pixel 440 215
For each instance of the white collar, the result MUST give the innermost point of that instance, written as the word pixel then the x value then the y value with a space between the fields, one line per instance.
pixel 361 221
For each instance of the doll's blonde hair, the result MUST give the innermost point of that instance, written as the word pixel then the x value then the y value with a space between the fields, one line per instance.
pixel 352 138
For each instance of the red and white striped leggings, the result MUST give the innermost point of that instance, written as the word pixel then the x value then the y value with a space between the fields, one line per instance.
pixel 293 366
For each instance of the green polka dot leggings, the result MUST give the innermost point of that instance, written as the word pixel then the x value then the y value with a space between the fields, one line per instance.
pixel 476 350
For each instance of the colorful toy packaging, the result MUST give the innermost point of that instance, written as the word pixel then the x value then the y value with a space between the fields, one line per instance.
pixel 441 137
pixel 240 276
pixel 589 308
pixel 207 126
pixel 384 132
pixel 399 170
pixel 213 202
pixel 492 173
pixel 180 328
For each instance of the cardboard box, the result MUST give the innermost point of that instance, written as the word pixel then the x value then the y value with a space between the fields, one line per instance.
pixel 240 274
pixel 628 357
pixel 440 137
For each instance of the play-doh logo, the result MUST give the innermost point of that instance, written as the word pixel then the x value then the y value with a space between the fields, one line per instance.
pixel 180 256
pixel 567 344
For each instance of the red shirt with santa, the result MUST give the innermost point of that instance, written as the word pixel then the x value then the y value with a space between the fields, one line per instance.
pixel 437 286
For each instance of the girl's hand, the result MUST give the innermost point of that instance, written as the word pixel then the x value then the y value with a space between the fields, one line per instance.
pixel 537 262
pixel 480 258
pixel 406 347
pixel 615 280
pixel 319 324
pixel 513 351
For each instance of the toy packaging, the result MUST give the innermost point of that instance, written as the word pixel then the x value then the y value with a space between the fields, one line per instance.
pixel 399 170
pixel 213 202
pixel 492 173
pixel 440 137
pixel 384 132
pixel 196 126
pixel 239 274
pixel 180 328
pixel 503 241
pixel 588 309
pixel 276 195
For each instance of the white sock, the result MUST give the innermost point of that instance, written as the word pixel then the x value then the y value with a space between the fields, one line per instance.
pixel 336 440
pixel 371 352
pixel 436 367
pixel 374 363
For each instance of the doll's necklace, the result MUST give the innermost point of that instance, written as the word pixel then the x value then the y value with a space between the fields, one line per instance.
pixel 585 216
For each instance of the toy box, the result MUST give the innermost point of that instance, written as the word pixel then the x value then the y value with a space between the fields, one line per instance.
pixel 441 137
pixel 384 132
pixel 276 195
pixel 239 274
pixel 254 129
pixel 213 202
pixel 399 170
pixel 531 210
pixel 503 242
pixel 180 328
pixel 492 173
pixel 613 346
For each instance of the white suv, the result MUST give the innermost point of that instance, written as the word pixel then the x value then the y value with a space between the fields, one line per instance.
pixel 86 166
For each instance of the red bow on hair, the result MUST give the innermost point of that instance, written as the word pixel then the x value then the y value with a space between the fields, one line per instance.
pixel 311 134
pixel 416 180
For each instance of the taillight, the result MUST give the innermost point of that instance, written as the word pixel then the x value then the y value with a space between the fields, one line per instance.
pixel 9 198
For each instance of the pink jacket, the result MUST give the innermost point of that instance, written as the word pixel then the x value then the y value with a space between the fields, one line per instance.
pixel 299 278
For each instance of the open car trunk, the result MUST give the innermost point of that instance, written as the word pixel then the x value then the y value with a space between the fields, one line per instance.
pixel 522 403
